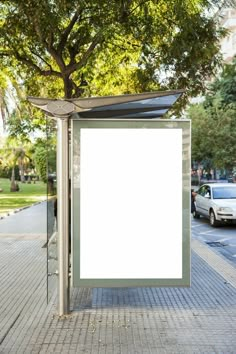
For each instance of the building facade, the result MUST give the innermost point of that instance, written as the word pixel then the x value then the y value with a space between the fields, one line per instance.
pixel 228 44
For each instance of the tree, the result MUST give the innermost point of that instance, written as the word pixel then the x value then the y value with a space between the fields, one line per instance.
pixel 214 124
pixel 19 118
pixel 201 137
pixel 4 110
pixel 45 157
pixel 40 157
pixel 77 45
pixel 15 153
pixel 214 135
pixel 224 86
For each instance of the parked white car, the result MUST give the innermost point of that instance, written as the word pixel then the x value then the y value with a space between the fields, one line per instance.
pixel 216 201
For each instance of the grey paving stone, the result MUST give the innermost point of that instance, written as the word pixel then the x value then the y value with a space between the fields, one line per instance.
pixel 199 319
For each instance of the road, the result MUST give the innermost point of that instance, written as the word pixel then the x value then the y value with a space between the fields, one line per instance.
pixel 32 220
pixel 223 238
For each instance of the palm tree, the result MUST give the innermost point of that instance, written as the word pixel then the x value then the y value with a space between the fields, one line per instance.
pixel 13 156
pixel 9 159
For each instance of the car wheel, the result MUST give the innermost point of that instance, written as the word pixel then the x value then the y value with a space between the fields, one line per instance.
pixel 213 221
pixel 196 215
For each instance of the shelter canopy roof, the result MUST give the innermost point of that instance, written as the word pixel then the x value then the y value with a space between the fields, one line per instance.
pixel 144 105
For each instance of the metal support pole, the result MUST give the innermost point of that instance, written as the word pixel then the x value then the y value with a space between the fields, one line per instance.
pixel 63 215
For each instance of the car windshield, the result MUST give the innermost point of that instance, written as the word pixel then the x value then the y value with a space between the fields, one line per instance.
pixel 224 193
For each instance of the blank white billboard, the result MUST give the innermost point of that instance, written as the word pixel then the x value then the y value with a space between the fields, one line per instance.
pixel 130 203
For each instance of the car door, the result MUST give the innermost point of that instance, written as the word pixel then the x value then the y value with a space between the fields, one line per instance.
pixel 203 200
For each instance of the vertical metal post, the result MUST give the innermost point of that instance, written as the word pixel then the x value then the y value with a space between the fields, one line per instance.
pixel 63 215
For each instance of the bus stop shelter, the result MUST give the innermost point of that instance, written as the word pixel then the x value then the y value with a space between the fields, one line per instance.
pixel 124 164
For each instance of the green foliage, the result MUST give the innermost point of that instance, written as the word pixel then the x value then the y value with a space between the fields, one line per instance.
pixel 5 172
pixel 47 146
pixel 224 87
pixel 214 123
pixel 23 122
pixel 51 160
pixel 44 156
pixel 14 157
pixel 78 47
pixel 40 158
pixel 201 145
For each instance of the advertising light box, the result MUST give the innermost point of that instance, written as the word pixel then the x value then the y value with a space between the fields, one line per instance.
pixel 130 203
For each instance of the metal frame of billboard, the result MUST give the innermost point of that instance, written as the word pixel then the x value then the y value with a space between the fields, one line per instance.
pixel 184 126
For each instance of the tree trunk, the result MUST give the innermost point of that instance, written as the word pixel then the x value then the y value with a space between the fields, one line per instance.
pixel 13 182
pixel 22 172
pixel 68 87
pixel 199 173
pixel 2 108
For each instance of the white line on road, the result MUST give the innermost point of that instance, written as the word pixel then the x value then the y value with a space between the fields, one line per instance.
pixel 207 232
pixel 196 225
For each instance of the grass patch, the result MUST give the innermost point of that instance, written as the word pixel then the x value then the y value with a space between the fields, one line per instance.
pixel 27 195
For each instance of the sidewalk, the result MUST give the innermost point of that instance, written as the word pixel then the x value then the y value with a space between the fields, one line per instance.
pixel 199 319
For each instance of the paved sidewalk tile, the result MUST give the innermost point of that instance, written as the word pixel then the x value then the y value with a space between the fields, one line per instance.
pixel 199 319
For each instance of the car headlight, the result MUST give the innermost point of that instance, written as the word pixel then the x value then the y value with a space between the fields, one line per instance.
pixel 225 209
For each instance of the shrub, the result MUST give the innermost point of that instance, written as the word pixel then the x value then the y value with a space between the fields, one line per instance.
pixel 40 158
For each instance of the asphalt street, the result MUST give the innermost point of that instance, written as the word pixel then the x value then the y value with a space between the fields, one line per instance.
pixel 222 238
pixel 32 220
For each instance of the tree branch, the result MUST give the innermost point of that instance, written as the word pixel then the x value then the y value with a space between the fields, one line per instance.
pixel 75 66
pixel 67 31
pixel 170 21
pixel 43 60
pixel 141 3
pixel 49 46
pixel 5 54
pixel 34 66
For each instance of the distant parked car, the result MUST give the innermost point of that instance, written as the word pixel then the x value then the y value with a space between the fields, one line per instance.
pixel 216 201
pixel 230 179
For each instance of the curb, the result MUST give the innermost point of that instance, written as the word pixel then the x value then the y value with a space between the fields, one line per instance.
pixel 15 211
pixel 216 261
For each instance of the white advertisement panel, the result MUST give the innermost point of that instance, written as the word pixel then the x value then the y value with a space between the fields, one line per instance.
pixel 130 211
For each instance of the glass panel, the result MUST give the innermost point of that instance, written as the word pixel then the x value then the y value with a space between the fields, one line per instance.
pixel 52 262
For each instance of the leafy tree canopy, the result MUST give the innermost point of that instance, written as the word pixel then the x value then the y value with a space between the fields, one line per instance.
pixel 214 123
pixel 80 47
pixel 224 86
